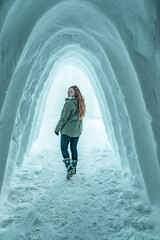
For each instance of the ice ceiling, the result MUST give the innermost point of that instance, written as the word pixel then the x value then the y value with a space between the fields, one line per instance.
pixel 116 44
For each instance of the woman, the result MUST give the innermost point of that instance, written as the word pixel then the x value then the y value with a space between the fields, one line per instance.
pixel 70 127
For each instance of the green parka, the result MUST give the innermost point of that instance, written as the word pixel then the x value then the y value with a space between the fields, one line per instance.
pixel 69 123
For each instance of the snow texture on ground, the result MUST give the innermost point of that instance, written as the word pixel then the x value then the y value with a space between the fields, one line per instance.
pixel 98 203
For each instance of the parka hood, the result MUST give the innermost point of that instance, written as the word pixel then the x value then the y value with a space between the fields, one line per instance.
pixel 73 99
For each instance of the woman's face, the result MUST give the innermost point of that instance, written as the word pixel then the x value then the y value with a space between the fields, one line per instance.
pixel 70 92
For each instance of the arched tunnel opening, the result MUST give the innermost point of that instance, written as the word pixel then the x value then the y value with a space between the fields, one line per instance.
pixel 82 43
pixel 46 141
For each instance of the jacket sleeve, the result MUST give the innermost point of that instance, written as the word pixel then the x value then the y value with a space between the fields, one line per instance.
pixel 66 111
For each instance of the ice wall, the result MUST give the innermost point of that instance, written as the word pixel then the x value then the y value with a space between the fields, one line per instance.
pixel 116 45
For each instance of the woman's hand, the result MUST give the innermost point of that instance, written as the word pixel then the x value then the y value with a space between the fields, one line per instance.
pixel 56 133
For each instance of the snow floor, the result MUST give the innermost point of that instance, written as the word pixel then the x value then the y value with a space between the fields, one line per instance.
pixel 99 202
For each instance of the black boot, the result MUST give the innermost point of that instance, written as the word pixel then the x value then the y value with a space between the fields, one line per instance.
pixel 67 162
pixel 74 164
pixel 70 170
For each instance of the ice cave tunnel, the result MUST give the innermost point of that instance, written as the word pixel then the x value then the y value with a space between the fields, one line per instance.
pixel 116 45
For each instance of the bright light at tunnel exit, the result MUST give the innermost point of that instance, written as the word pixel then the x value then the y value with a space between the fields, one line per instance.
pixel 67 76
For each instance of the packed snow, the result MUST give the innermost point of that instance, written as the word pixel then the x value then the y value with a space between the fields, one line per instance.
pixel 100 202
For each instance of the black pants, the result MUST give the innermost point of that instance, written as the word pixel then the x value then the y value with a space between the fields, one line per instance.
pixel 73 146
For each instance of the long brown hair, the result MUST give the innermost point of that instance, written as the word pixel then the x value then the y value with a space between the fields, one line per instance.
pixel 81 107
